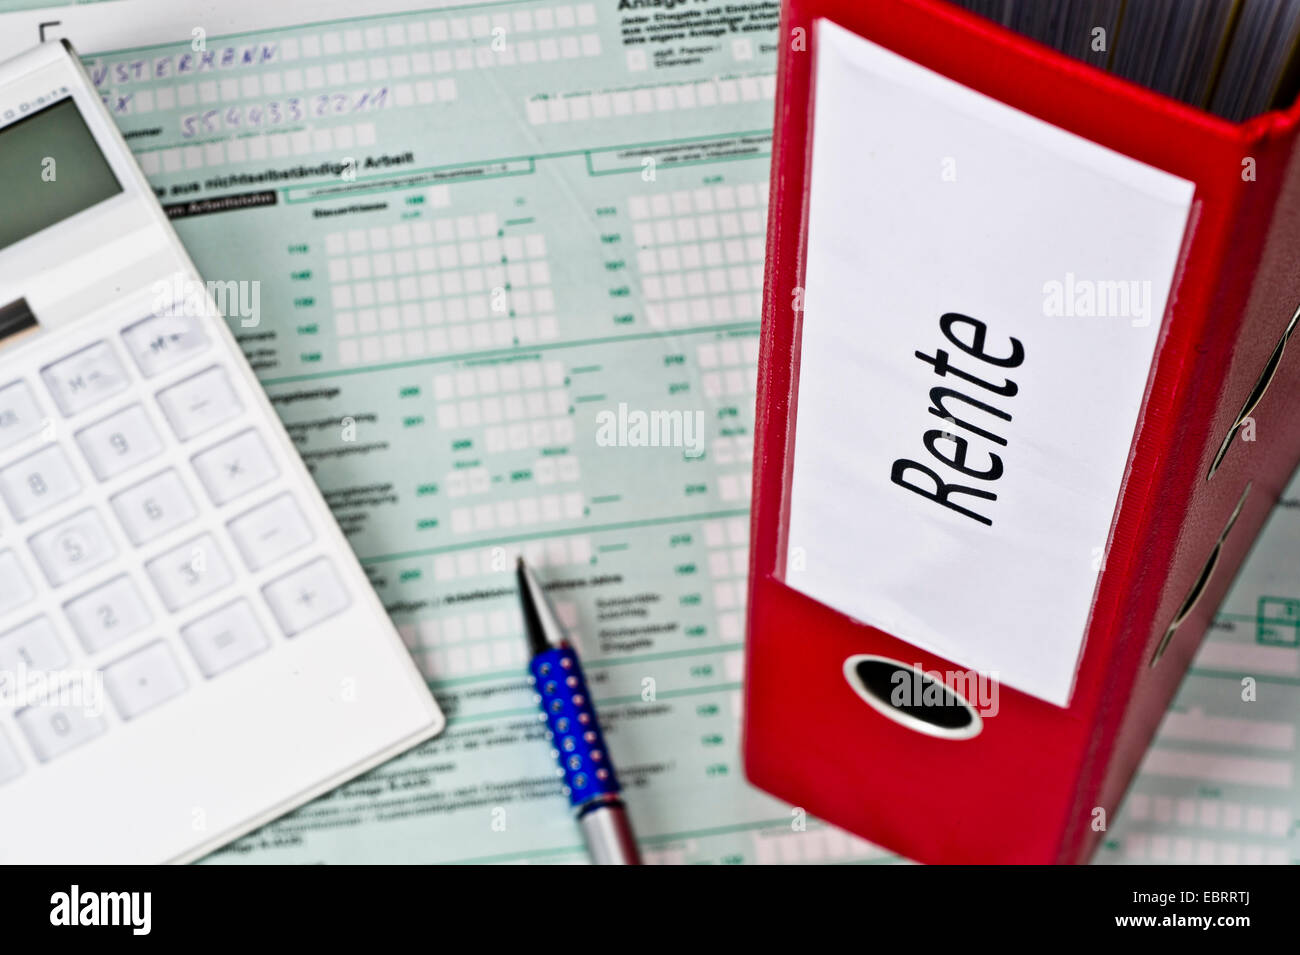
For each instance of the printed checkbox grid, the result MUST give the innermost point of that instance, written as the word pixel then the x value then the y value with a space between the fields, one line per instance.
pixel 729 374
pixel 445 286
pixel 517 406
pixel 700 253
pixel 1219 831
pixel 662 98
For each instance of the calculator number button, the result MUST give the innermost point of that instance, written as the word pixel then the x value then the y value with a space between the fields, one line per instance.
pixel 154 507
pixel 143 680
pixel 53 730
pixel 162 341
pixel 38 482
pixel 15 588
pixel 84 379
pixel 20 416
pixel 119 443
pixel 34 646
pixel 222 639
pixel 306 596
pixel 73 547
pixel 189 572
pixel 235 467
pixel 200 403
pixel 108 614
pixel 269 532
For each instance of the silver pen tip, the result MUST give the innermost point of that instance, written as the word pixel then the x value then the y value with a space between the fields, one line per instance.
pixel 540 623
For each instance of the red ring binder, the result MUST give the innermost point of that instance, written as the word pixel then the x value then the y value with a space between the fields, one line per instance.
pixel 1027 787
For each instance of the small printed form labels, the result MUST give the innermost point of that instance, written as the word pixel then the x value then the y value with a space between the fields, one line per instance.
pixel 982 300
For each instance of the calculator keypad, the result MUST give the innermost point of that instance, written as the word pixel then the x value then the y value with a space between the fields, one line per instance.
pixel 125 520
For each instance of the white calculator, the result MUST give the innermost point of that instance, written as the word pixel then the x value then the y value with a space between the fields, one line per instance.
pixel 188 648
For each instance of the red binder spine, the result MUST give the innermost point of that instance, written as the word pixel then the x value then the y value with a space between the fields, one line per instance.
pixel 1259 285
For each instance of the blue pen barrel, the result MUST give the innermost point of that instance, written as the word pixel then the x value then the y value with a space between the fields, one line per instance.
pixel 578 742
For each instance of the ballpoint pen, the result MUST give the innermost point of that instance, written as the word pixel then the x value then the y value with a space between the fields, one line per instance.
pixel 567 708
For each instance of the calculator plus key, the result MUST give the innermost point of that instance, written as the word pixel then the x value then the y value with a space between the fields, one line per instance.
pixel 306 596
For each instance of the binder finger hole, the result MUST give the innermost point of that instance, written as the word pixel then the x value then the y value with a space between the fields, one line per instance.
pixel 1257 393
pixel 911 697
pixel 1202 581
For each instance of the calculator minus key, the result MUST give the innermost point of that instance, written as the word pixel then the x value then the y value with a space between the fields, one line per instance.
pixel 148 677
pixel 38 482
pixel 303 598
pixel 20 415
pixel 200 403
pixel 84 378
pixel 189 572
pixel 235 467
pixel 164 340
pixel 52 730
pixel 72 547
pixel 270 531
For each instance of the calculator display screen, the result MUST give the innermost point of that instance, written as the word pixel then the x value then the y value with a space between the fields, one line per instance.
pixel 51 168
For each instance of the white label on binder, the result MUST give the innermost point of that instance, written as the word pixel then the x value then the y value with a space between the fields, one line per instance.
pixel 983 296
